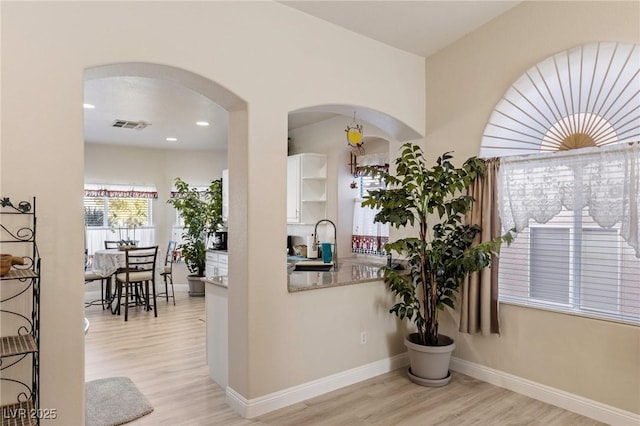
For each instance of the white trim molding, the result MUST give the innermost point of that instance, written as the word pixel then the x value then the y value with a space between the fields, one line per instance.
pixel 568 401
pixel 250 408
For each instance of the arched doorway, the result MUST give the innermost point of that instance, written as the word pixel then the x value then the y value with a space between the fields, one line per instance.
pixel 130 83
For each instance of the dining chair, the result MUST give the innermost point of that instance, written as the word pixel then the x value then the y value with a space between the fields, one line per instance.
pixel 139 270
pixel 167 272
pixel 111 244
pixel 91 276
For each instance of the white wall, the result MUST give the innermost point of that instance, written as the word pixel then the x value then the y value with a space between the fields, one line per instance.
pixel 274 58
pixel 137 166
pixel 598 360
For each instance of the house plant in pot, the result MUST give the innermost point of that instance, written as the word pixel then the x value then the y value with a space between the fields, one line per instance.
pixel 433 200
pixel 201 211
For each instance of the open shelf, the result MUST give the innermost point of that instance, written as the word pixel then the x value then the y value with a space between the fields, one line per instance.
pixel 17 345
pixel 19 274
pixel 20 316
pixel 18 414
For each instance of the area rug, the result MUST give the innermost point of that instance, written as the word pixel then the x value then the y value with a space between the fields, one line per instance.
pixel 114 401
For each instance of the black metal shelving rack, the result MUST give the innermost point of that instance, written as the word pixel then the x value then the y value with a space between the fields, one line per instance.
pixel 18 235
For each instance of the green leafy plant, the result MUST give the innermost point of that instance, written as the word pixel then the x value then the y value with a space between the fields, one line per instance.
pixel 93 216
pixel 201 212
pixel 433 199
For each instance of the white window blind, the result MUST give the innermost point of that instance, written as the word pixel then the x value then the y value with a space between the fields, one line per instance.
pixel 118 206
pixel 577 216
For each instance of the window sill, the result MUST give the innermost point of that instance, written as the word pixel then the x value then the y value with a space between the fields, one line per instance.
pixel 624 321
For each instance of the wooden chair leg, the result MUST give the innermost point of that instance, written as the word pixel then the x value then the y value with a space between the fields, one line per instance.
pixel 126 302
pixel 155 305
pixel 116 309
pixel 173 293
pixel 166 287
pixel 147 306
pixel 103 293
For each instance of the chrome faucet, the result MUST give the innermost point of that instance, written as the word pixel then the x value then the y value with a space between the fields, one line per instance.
pixel 334 258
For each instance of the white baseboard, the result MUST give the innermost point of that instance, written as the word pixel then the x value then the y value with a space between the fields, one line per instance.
pixel 250 408
pixel 568 401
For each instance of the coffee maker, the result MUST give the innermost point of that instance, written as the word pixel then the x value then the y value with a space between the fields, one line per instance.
pixel 219 240
pixel 289 245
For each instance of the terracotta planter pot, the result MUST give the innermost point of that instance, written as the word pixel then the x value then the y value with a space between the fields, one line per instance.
pixel 429 364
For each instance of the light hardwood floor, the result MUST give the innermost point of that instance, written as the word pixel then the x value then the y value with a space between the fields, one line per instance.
pixel 165 358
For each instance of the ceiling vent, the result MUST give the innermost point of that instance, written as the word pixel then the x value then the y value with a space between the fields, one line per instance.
pixel 125 124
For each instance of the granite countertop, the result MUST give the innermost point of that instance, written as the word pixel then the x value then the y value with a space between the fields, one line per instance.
pixel 349 271
pixel 219 280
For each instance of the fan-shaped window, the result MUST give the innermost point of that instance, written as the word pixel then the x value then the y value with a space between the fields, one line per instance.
pixel 576 212
pixel 588 96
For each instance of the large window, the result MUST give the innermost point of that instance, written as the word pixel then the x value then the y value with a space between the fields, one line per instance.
pixel 577 246
pixel 567 135
pixel 368 236
pixel 572 264
pixel 118 212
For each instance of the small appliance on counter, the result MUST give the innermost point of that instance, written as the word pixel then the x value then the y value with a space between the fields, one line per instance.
pixel 290 245
pixel 219 240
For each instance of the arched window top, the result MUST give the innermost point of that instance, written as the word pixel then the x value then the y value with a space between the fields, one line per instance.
pixel 586 96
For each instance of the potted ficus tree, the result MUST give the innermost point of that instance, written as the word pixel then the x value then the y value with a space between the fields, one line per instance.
pixel 434 200
pixel 201 212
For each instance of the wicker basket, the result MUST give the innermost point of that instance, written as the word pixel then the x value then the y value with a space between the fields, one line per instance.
pixel 6 261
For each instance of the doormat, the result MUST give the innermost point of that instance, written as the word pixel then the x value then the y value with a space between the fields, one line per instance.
pixel 114 401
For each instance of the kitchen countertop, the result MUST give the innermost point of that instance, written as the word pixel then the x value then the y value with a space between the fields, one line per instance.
pixel 219 280
pixel 350 271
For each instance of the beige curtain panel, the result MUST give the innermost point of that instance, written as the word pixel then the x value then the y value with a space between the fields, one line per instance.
pixel 479 301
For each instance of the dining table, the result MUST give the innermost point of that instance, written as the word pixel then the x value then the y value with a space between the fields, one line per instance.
pixel 108 261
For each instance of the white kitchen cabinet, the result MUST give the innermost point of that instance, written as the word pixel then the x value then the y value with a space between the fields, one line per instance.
pixel 217 324
pixel 225 194
pixel 217 264
pixel 306 188
pixel 293 189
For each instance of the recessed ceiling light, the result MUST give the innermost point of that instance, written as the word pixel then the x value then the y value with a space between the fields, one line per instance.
pixel 88 106
pixel 172 139
pixel 202 123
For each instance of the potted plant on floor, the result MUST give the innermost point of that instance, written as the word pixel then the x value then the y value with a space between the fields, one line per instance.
pixel 434 200
pixel 201 212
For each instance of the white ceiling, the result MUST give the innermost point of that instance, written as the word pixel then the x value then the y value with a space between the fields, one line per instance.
pixel 170 109
pixel 419 27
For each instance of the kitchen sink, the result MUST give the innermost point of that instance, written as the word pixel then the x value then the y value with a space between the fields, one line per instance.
pixel 311 265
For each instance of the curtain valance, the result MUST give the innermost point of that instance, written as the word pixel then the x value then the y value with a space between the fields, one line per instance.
pixel 376 160
pixel 202 192
pixel 120 191
pixel 605 181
